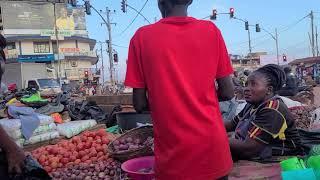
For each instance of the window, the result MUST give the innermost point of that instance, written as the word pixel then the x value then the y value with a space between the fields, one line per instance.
pixel 54 47
pixel 41 47
pixel 11 46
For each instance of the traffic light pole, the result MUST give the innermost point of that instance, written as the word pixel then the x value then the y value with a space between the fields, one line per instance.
pixel 110 50
pixel 276 38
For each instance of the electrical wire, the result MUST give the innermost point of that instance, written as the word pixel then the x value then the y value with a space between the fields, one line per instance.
pixel 134 19
pixel 120 46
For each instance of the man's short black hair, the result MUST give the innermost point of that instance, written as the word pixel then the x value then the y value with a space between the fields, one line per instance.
pixel 181 2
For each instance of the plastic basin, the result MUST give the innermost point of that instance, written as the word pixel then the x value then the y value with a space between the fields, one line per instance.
pixel 133 166
pixel 292 164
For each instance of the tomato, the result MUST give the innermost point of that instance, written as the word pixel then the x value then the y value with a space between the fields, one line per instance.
pixel 99 141
pixel 42 159
pixel 73 158
pixel 55 159
pixel 48 169
pixel 88 145
pixel 70 164
pixel 75 140
pixel 82 153
pixel 84 158
pixel 101 158
pixel 60 165
pixel 100 154
pixel 90 139
pixel 88 161
pixel 77 161
pixel 64 160
pixel 105 140
pixel 54 165
pixel 94 159
pixel 84 138
pixel 80 147
pixel 101 132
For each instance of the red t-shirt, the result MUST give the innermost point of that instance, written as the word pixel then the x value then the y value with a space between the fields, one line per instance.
pixel 177 60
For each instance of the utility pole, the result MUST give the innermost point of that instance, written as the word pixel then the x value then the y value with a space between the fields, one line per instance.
pixel 277 46
pixel 317 44
pixel 312 34
pixel 110 49
pixel 102 64
pixel 57 40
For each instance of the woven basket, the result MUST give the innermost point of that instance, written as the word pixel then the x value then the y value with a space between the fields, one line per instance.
pixel 141 133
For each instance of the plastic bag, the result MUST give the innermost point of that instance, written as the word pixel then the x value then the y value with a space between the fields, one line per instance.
pixel 10 124
pixel 73 128
pixel 44 119
pixel 20 142
pixel 17 134
pixel 42 137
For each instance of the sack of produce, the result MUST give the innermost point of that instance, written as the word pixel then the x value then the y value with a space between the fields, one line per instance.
pixel 73 128
pixel 10 124
pixel 135 143
pixel 17 134
pixel 44 119
pixel 302 116
pixel 42 137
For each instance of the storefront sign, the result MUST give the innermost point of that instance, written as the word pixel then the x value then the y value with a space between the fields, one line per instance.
pixel 52 33
pixel 69 50
pixel 36 58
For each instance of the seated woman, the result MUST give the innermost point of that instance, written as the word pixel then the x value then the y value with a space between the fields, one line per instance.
pixel 265 127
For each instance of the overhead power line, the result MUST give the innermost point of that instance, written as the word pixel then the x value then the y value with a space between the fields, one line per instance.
pixel 134 19
pixel 120 46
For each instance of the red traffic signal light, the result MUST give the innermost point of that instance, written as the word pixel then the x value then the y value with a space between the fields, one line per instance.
pixel 284 57
pixel 231 12
pixel 86 73
pixel 214 14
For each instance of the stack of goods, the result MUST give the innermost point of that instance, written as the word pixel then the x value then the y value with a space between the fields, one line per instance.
pixel 73 128
pixel 47 130
pixel 88 148
pixel 303 116
pixel 106 170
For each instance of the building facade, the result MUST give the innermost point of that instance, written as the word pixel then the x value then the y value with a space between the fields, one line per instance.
pixel 51 32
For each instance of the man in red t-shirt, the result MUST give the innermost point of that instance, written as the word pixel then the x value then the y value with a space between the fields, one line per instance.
pixel 172 66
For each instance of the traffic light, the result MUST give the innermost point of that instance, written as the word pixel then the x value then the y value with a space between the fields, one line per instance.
pixel 284 58
pixel 115 58
pixel 87 7
pixel 73 2
pixel 86 73
pixel 258 29
pixel 247 25
pixel 231 12
pixel 214 14
pixel 124 6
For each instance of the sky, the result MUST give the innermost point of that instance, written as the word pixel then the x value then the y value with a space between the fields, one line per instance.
pixel 285 15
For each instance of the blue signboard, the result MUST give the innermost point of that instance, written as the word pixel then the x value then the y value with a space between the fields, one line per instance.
pixel 36 58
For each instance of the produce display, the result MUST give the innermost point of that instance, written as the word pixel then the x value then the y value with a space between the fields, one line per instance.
pixel 303 116
pixel 129 144
pixel 87 148
pixel 105 170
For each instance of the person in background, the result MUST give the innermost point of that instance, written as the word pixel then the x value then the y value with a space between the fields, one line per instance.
pixel 11 156
pixel 265 127
pixel 169 80
pixel 235 79
pixel 291 85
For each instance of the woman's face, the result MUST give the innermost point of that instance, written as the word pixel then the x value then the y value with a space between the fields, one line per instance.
pixel 257 89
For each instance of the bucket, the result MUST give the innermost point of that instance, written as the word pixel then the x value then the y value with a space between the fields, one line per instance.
pixel 292 164
pixel 135 166
pixel 304 174
pixel 130 120
pixel 314 162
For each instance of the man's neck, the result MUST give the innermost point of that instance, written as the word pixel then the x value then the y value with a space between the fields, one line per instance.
pixel 178 10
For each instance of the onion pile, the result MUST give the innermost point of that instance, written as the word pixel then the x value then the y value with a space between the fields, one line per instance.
pixel 128 144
